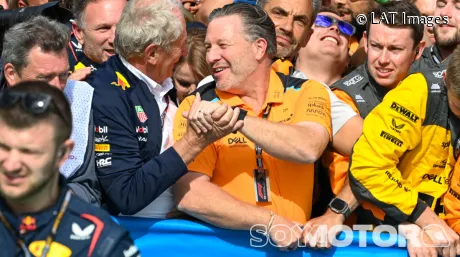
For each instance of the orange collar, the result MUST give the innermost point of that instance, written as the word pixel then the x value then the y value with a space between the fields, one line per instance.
pixel 274 95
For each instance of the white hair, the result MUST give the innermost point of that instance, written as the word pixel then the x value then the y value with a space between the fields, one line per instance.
pixel 146 22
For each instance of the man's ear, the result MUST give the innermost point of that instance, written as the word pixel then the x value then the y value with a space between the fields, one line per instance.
pixel 365 41
pixel 151 53
pixel 11 76
pixel 63 153
pixel 444 78
pixel 22 3
pixel 419 49
pixel 78 32
pixel 261 48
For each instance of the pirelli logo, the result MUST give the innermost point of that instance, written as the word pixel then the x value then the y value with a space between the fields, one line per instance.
pixel 405 112
pixel 391 138
pixel 102 147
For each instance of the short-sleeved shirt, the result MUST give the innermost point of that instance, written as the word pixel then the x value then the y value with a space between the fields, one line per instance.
pixel 230 161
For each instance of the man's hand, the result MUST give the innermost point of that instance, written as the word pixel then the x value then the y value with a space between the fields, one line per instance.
pixel 318 231
pixel 443 238
pixel 220 123
pixel 80 74
pixel 285 234
pixel 415 246
pixel 191 5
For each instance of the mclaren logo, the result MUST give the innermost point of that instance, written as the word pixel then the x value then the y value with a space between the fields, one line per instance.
pixel 121 81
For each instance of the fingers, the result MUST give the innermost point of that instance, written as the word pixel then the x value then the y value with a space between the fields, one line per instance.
pixel 80 74
pixel 219 112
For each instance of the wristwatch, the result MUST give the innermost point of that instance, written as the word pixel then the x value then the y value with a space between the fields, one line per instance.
pixel 339 206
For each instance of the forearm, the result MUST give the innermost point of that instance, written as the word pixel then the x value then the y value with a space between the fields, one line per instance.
pixel 302 144
pixel 188 149
pixel 213 205
pixel 347 195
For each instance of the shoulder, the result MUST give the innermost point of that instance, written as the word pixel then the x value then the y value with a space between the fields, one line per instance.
pixel 89 216
pixel 354 79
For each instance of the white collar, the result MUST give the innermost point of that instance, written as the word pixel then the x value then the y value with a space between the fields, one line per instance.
pixel 156 89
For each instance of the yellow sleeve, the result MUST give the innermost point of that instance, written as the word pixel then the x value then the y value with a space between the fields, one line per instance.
pixel 452 200
pixel 205 162
pixel 373 172
pixel 314 104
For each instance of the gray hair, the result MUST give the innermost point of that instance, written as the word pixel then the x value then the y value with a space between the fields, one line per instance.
pixel 147 23
pixel 256 22
pixel 78 10
pixel 40 31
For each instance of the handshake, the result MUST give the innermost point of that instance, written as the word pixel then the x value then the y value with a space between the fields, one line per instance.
pixel 208 121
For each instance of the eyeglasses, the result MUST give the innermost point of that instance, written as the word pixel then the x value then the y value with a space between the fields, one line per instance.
pixel 33 102
pixel 326 21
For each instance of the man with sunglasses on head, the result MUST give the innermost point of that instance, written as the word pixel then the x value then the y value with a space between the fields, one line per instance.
pixel 401 165
pixel 36 50
pixel 39 215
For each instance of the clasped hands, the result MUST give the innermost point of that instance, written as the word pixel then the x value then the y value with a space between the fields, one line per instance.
pixel 212 120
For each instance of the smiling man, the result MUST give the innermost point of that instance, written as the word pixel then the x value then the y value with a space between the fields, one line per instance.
pixel 94 31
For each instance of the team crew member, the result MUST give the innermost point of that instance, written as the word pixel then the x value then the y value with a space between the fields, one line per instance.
pixel 390 48
pixel 39 215
pixel 131 107
pixel 403 162
pixel 93 32
pixel 452 196
pixel 272 183
pixel 447 36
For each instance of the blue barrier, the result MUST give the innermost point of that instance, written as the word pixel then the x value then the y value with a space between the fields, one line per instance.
pixel 186 238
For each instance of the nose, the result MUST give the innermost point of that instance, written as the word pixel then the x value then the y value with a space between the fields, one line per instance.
pixel 112 35
pixel 56 82
pixel 334 27
pixel 11 162
pixel 213 55
pixel 339 2
pixel 287 24
pixel 384 57
pixel 446 10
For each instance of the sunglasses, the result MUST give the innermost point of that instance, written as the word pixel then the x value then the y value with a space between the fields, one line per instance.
pixel 33 102
pixel 325 21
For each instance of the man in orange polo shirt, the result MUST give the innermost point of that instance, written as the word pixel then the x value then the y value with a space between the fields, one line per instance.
pixel 234 184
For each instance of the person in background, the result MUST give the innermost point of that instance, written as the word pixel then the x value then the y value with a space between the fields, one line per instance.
pixel 93 32
pixel 38 211
pixel 426 8
pixel 191 69
pixel 29 54
pixel 14 4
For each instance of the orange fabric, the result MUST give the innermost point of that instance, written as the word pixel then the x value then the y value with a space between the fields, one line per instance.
pixel 353 45
pixel 230 161
pixel 452 200
pixel 283 66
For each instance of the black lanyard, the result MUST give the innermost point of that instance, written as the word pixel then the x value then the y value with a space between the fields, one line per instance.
pixel 261 179
pixel 52 234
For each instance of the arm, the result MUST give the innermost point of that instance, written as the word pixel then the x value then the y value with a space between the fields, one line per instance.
pixel 452 200
pixel 125 247
pixel 306 138
pixel 198 197
pixel 346 124
pixel 85 184
pixel 373 173
pixel 129 182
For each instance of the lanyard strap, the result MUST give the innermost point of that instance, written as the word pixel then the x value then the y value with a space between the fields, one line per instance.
pixel 163 114
pixel 259 163
pixel 52 234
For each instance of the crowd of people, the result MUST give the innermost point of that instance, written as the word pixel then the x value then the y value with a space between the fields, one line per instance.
pixel 287 116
